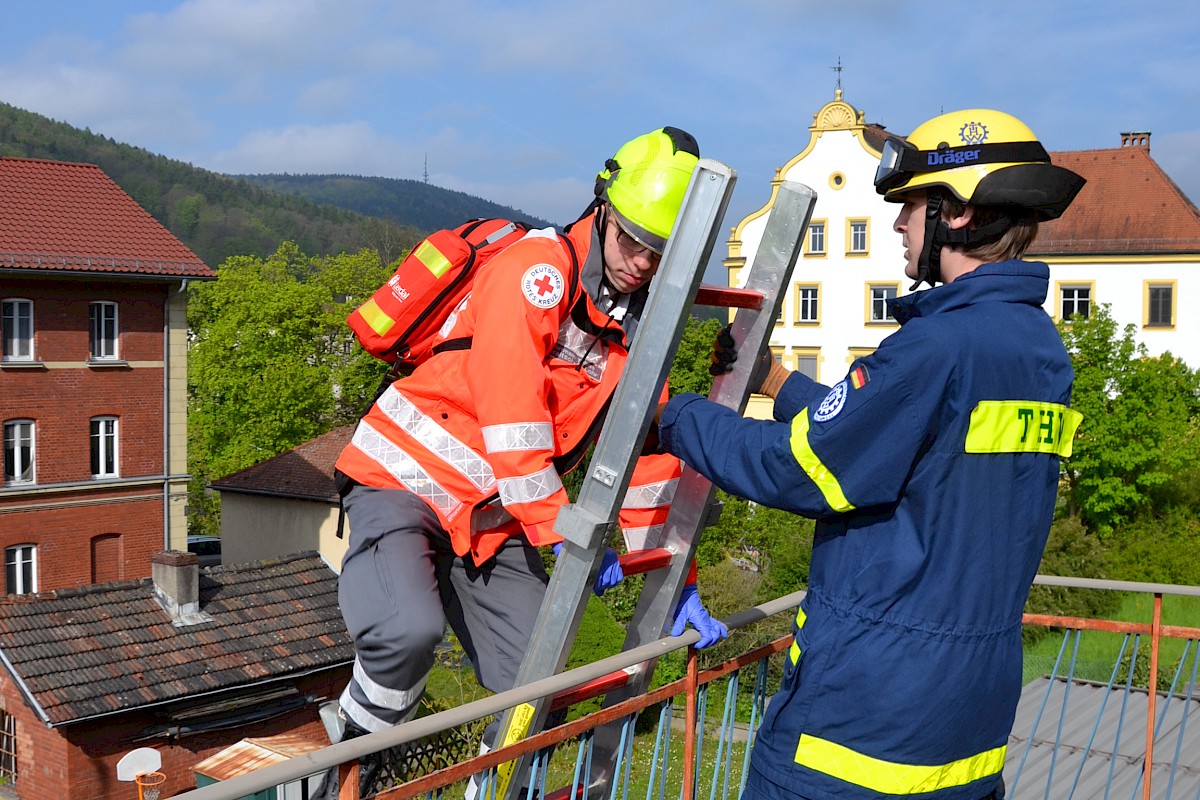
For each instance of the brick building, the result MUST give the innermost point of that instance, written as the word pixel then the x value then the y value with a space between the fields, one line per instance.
pixel 189 662
pixel 92 378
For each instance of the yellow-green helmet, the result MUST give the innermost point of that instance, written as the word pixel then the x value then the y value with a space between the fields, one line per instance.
pixel 981 156
pixel 645 181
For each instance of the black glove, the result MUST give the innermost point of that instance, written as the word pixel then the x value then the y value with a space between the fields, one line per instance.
pixel 724 352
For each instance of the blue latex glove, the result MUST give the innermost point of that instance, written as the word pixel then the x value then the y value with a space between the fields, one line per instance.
pixel 610 573
pixel 691 611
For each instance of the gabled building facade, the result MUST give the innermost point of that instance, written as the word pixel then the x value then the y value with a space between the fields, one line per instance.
pixel 93 366
pixel 1131 240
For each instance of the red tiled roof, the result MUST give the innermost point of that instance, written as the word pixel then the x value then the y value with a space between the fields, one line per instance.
pixel 303 473
pixel 1128 206
pixel 56 216
pixel 106 648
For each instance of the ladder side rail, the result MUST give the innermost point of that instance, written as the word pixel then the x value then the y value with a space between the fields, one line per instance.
pixel 769 274
pixel 586 524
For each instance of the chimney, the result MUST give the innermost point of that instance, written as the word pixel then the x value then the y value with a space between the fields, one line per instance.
pixel 1136 139
pixel 176 578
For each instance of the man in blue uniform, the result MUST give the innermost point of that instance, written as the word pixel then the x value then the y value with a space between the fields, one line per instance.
pixel 932 472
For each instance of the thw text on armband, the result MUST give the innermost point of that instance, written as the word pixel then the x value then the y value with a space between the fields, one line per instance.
pixel 1022 426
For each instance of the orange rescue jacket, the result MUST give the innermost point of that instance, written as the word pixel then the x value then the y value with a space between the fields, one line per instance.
pixel 482 434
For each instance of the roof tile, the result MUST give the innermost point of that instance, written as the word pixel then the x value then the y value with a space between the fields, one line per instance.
pixel 127 654
pixel 62 217
pixel 1128 206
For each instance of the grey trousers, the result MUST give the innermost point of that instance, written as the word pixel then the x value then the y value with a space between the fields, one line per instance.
pixel 401 582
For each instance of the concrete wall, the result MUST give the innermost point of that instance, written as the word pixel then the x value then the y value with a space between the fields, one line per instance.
pixel 255 527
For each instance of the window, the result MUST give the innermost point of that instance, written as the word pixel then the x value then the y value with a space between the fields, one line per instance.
pixel 18 451
pixel 18 330
pixel 816 238
pixel 1160 305
pixel 806 361
pixel 20 569
pixel 103 319
pixel 877 296
pixel 104 447
pixel 1076 301
pixel 856 236
pixel 808 306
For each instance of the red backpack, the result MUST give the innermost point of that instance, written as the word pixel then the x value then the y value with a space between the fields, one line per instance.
pixel 400 320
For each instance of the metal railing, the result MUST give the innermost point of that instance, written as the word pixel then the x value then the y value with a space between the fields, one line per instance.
pixel 1087 755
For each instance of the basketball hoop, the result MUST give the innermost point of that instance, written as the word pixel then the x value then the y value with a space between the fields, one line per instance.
pixel 149 784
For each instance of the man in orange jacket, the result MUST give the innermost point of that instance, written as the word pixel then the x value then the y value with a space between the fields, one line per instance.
pixel 455 471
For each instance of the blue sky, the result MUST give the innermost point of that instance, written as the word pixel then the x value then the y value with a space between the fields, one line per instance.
pixel 520 102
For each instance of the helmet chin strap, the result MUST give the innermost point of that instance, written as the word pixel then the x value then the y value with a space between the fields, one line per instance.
pixel 929 265
pixel 938 234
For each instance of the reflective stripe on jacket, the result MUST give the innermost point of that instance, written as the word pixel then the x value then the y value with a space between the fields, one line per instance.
pixel 481 433
pixel 932 470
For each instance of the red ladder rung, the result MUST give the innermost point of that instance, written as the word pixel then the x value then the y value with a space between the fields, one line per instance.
pixel 566 793
pixel 640 561
pixel 593 688
pixel 726 297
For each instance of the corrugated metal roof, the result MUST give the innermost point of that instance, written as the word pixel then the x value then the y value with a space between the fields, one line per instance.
pixel 249 755
pixel 1098 752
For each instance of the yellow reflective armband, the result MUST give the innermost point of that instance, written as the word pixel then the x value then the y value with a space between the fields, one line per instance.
pixel 1022 426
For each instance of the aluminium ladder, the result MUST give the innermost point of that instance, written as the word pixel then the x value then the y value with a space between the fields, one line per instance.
pixel 586 524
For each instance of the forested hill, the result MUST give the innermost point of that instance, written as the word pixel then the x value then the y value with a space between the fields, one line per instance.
pixel 218 216
pixel 413 202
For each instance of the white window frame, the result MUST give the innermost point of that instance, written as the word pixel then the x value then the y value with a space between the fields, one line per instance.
pixel 856 230
pixel 103 450
pixel 811 304
pixel 20 434
pixel 103 330
pixel 877 296
pixel 18 329
pixel 1075 289
pixel 818 234
pixel 20 569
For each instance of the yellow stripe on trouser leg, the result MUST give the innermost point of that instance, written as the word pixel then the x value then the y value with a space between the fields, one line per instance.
pixel 890 777
pixel 830 489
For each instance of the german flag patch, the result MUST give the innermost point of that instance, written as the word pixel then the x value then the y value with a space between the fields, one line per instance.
pixel 859 377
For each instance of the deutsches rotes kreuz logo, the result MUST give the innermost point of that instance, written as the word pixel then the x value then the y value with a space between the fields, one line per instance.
pixel 832 404
pixel 542 285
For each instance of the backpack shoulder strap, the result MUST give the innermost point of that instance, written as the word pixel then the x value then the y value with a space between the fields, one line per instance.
pixel 574 295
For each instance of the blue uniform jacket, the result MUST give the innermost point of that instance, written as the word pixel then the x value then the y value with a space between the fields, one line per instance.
pixel 931 470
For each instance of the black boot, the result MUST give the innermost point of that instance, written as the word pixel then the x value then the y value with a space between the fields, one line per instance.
pixel 368 766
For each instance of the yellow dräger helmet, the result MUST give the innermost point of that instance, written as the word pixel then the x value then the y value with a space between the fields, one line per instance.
pixel 982 157
pixel 645 183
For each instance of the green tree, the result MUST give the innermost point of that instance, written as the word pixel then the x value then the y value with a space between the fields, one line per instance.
pixel 689 370
pixel 272 363
pixel 1138 426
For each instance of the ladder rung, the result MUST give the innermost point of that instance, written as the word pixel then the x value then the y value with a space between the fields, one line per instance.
pixel 640 561
pixel 566 793
pixel 593 688
pixel 726 297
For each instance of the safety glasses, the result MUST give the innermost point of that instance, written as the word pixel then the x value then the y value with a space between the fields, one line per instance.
pixel 901 160
pixel 633 246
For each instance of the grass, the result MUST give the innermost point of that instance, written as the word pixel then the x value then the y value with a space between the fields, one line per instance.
pixel 1098 651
